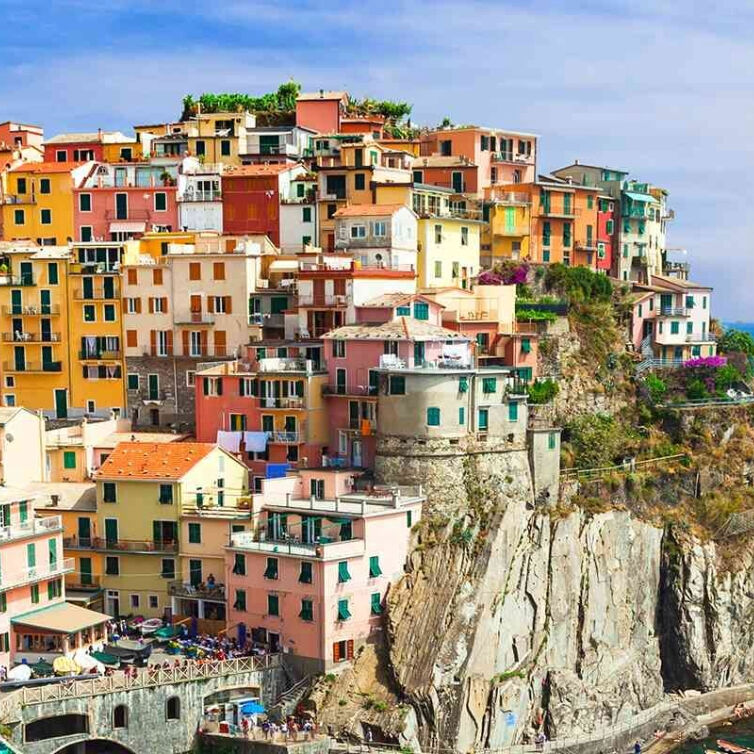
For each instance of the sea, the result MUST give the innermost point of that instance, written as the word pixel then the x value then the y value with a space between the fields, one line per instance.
pixel 741 733
pixel 745 326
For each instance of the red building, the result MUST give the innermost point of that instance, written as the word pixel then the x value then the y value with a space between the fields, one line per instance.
pixel 82 147
pixel 606 232
pixel 453 172
pixel 321 111
pixel 252 196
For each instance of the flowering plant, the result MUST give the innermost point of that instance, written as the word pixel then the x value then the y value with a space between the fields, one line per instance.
pixel 706 361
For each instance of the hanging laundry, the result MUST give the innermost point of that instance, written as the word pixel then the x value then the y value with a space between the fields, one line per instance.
pixel 230 441
pixel 255 442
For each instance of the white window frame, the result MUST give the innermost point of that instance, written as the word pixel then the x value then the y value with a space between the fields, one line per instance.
pixel 379 229
pixel 91 406
pixel 190 378
pixel 161 343
pixel 115 313
pixel 157 305
pixel 464 236
pixel 195 335
pixel 10 400
pixel 358 231
pixel 219 304
pixel 131 305
pixel 83 318
pixel 153 598
pixel 10 380
pixel 134 600
pixel 138 381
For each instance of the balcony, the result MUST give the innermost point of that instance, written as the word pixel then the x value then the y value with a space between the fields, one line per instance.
pixel 32 311
pixel 133 215
pixel 19 199
pixel 289 403
pixel 519 159
pixel 96 294
pixel 546 210
pixel 36 573
pixel 154 397
pixel 31 337
pixel 121 545
pixel 258 542
pixel 84 582
pixel 197 591
pixel 195 318
pixel 31 528
pixel 674 311
pixel 100 355
pixel 510 230
pixel 213 195
pixel 510 198
pixel 286 438
pixel 220 352
pixel 360 390
pixel 94 268
pixel 337 301
pixel 288 365
pixel 585 245
pixel 33 366
pixel 17 280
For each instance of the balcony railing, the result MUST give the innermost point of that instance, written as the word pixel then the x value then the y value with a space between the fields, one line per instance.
pixel 336 550
pixel 33 366
pixel 96 294
pixel 100 355
pixel 36 573
pixel 674 311
pixel 31 337
pixel 120 545
pixel 83 581
pixel 17 280
pixel 324 300
pixel 35 526
pixel 334 389
pixel 214 195
pixel 504 197
pixel 287 365
pixel 510 230
pixel 196 591
pixel 524 159
pixel 20 199
pixel 547 210
pixel 138 215
pixel 270 402
pixel 38 310
pixel 286 438
pixel 195 318
pixel 94 268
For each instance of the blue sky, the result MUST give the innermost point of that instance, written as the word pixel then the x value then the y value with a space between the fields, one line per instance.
pixel 662 89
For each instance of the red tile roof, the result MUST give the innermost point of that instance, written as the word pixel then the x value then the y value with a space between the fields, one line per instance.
pixel 257 170
pixel 369 210
pixel 153 460
pixel 46 167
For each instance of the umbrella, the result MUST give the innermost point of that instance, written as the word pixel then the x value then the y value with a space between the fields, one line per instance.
pixel 20 673
pixel 241 634
pixel 42 668
pixel 252 708
pixel 64 666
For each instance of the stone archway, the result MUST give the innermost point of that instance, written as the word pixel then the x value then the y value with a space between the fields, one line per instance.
pixel 95 746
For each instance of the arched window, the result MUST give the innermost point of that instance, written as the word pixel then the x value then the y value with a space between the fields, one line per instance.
pixel 173 708
pixel 120 716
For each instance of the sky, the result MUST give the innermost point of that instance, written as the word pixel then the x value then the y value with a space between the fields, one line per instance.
pixel 660 88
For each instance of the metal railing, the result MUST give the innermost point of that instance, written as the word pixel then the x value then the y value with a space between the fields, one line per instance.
pixel 37 310
pixel 131 215
pixel 46 525
pixel 286 438
pixel 100 355
pixel 268 402
pixel 96 294
pixel 33 366
pixel 324 300
pixel 214 195
pixel 36 573
pixel 335 389
pixel 20 199
pixel 17 280
pixel 29 337
pixel 336 549
pixel 120 545
pixel 196 591
pixel 195 318
pixel 674 311
pixel 623 468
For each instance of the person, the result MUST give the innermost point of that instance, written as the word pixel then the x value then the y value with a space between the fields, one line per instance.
pixel 637 748
pixel 369 735
pixel 211 581
pixel 245 727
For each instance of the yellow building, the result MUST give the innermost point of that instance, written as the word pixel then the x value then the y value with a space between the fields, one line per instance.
pixel 125 151
pixel 95 328
pixel 142 489
pixel 219 137
pixel 506 234
pixel 39 201
pixel 156 245
pixel 34 327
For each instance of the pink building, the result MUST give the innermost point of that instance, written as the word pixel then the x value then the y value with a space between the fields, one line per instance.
pixel 312 576
pixel 400 329
pixel 35 620
pixel 321 111
pixel 119 202
pixel 82 147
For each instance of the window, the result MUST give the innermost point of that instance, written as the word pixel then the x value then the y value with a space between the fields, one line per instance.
pixel 489 384
pixel 85 202
pixel 240 602
pixel 271 571
pixel 438 233
pixel 173 708
pixel 120 716
pixel 397 385
pixel 546 233
pixel 168 568
pixel 133 381
pixel 551 441
pixel 374 567
pixel 3 603
pixel 90 313
pixel 464 236
pixel 52 273
pixel 108 492
pixel 674 328
pixel 566 234
pixel 19 216
pixel 704 302
pixel 190 378
pixel 307 610
pixel 379 229
pixel 44 185
pixel 109 312
pixel 306 214
pixel 225 147
pixel 421 310
pixel 35 593
pixel 273 604
pixel 343 612
pixel 589 202
pixel 358 231
pixel 154 602
pixel 526 345
pixel 21 185
pixel 339 349
pixel 409 519
pixel 438 269
pixel 135 601
pixel 484 418
pixel 403 311
pixel 513 412
pixel 195 271
pixel 160 201
pixel 689 328
pixel 239 564
pixel 376 603
pixel 343 574
pixel 359 181
pixel 461 415
pixel 305 574
pixel 689 302
pixel 69 459
pixel 112 565
pixel 195 533
pixel 10 400
pixel 433 417
pixel 166 494
pixel 45 217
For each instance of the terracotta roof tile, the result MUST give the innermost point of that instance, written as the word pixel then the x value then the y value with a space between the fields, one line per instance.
pixel 47 167
pixel 369 210
pixel 401 328
pixel 153 460
pixel 257 170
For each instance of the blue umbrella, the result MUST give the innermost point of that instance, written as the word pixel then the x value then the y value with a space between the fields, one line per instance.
pixel 252 708
pixel 241 634
pixel 194 627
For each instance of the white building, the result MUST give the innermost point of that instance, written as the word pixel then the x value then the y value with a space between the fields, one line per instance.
pixel 200 205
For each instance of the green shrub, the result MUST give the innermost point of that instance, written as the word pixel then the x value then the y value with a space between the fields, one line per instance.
pixel 736 340
pixel 543 391
pixel 535 316
pixel 696 390
pixel 726 377
pixel 598 440
pixel 656 388
pixel 580 284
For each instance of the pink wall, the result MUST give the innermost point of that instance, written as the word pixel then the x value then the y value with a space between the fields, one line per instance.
pixel 604 237
pixel 51 151
pixel 638 320
pixel 322 116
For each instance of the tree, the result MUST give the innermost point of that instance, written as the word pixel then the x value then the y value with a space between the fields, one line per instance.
pixel 734 341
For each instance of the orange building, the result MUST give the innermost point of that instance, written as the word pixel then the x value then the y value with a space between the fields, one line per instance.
pixel 321 111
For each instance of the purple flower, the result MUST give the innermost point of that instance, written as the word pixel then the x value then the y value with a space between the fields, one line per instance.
pixel 706 361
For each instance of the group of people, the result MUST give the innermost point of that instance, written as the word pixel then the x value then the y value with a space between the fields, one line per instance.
pixel 290 729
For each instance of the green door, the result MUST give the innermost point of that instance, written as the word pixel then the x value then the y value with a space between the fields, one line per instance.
pixel 154 387
pixel 88 284
pixel 15 302
pixel 195 572
pixel 19 358
pixel 26 274
pixel 44 301
pixel 85 532
pixel 47 358
pixel 419 353
pixel 109 287
pixel 85 571
pixel 61 404
pixel 510 219
pixel 666 301
pixel 111 530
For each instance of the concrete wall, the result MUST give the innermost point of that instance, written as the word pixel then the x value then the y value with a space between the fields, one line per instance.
pixel 544 459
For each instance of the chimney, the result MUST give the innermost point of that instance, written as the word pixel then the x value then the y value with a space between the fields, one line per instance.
pixel 99 134
pixel 321 93
pixel 575 162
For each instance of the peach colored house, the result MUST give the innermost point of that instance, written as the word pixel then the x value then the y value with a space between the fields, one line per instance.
pixel 321 111
pixel 312 575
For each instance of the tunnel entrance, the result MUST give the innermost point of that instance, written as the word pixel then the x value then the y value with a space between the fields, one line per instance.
pixel 54 727
pixel 98 746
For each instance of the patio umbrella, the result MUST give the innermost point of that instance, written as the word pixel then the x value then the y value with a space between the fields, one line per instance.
pixel 166 632
pixel 42 668
pixel 241 634
pixel 20 673
pixel 252 708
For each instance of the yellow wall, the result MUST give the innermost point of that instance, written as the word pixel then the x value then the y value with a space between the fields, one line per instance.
pixel 34 389
pixel 59 201
pixel 151 243
pixel 448 253
pixel 112 152
pixel 395 194
pixel 507 224
pixel 70 532
pixel 56 458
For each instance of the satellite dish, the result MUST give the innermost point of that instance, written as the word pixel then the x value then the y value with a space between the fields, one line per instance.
pixel 9 437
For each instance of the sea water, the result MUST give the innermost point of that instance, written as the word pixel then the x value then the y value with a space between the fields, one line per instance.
pixel 741 733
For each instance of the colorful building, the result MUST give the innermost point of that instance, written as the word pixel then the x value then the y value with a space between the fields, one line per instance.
pixel 506 233
pixel 102 146
pixel 215 137
pixel 310 578
pixel 199 195
pixel 605 232
pixel 322 111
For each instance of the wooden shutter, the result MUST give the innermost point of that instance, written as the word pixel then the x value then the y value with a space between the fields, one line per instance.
pixel 185 342
pixel 196 304
pixel 211 304
pixel 153 341
pixel 165 305
pixel 137 305
pixel 132 277
pixel 132 339
pixel 349 649
pixel 339 287
pixel 151 305
pixel 203 342
pixel 220 342
pixel 195 271
pixel 157 277
pixel 169 338
pixel 228 305
pixel 218 270
pixel 336 651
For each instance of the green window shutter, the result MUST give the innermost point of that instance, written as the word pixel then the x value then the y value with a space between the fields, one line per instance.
pixel 461 415
pixel 240 603
pixel 305 575
pixel 689 302
pixel 513 412
pixel 300 388
pixel 463 385
pixel 271 571
pixel 108 492
pixel 307 610
pixel 3 602
pixel 35 593
pixel 52 547
pixel 397 385
pixel 674 328
pixel 376 603
pixel 526 345
pixel 483 418
pixel 31 555
pixel 273 604
pixel 489 384
pixel 133 381
pixel 195 533
pixel 23 512
pixel 343 612
pixel 403 311
pixel 166 494
pixel 689 328
pixel 551 441
pixel 374 566
pixel 239 564
pixel 421 310
pixel 433 417
pixel 409 519
pixel 69 459
pixel 343 574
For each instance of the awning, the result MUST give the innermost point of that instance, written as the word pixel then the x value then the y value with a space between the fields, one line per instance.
pixel 284 265
pixel 128 227
pixel 62 618
pixel 640 197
